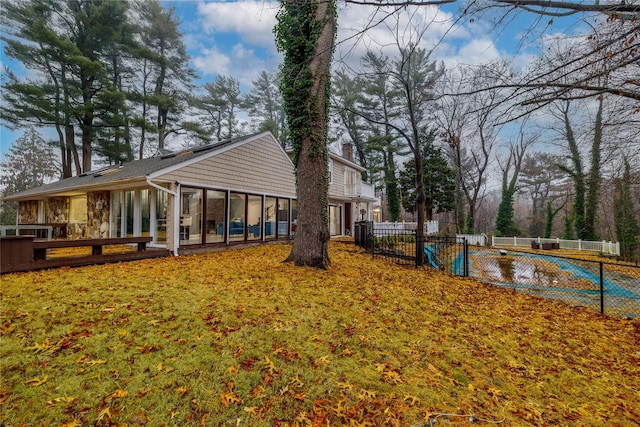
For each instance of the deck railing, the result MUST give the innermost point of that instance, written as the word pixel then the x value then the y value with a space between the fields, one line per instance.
pixel 604 247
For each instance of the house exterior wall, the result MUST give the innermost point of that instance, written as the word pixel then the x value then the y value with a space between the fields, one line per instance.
pixel 258 166
pixel 336 186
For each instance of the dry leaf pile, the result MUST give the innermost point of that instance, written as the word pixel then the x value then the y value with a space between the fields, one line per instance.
pixel 239 338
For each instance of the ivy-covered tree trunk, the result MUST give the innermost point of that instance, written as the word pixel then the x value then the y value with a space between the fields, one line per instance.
pixel 305 33
pixel 578 177
pixel 594 179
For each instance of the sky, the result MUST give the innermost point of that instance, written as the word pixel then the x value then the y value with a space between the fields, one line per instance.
pixel 235 38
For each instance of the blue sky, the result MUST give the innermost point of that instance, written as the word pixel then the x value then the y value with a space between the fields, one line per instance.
pixel 236 38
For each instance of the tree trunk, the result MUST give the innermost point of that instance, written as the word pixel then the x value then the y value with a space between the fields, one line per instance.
pixel 310 245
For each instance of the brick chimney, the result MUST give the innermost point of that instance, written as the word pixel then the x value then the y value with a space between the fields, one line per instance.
pixel 347 151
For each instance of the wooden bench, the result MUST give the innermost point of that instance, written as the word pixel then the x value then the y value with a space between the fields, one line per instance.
pixel 40 246
pixel 23 253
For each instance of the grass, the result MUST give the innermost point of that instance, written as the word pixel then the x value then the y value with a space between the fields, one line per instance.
pixel 239 338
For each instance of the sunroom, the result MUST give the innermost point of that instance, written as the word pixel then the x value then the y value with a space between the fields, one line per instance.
pixel 234 191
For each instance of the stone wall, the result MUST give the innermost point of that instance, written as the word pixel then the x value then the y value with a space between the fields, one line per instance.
pixel 28 212
pixel 98 208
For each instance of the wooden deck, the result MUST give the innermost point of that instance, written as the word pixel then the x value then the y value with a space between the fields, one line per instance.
pixel 23 253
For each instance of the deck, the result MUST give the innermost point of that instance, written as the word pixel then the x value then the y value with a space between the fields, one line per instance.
pixel 24 253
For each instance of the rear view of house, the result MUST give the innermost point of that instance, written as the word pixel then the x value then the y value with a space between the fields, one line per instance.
pixel 235 191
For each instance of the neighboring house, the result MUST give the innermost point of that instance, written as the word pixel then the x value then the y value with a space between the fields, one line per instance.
pixel 234 191
pixel 350 199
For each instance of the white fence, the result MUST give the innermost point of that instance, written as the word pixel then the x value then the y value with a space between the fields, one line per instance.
pixel 610 248
pixel 473 239
pixel 430 227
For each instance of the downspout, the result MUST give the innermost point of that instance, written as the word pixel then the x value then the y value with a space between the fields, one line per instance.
pixel 176 211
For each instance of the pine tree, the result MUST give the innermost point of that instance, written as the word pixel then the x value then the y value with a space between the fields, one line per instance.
pixel 29 163
pixel 625 217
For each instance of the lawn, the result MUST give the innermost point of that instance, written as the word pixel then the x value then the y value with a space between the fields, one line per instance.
pixel 238 338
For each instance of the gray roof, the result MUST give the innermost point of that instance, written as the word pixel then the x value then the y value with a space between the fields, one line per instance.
pixel 130 171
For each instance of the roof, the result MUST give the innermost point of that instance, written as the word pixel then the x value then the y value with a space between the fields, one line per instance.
pixel 137 170
pixel 351 164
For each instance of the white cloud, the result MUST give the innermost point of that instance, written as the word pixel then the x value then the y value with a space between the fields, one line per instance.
pixel 362 28
pixel 253 21
pixel 212 62
pixel 478 51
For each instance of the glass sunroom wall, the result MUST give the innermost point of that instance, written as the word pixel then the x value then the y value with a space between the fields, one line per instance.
pixel 216 209
pixel 294 216
pixel 237 224
pixel 283 217
pixel 128 213
pixel 191 216
pixel 254 217
pixel 117 203
pixel 145 213
pixel 270 217
pixel 162 203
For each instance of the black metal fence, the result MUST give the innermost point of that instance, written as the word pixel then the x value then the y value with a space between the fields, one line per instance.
pixel 606 287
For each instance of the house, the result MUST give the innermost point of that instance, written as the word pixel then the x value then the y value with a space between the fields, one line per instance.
pixel 350 199
pixel 235 191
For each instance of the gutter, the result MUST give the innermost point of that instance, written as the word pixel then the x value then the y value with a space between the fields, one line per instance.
pixel 176 211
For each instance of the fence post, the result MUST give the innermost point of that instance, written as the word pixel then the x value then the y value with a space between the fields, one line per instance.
pixel 601 289
pixel 419 249
pixel 466 258
pixel 579 244
pixel 515 241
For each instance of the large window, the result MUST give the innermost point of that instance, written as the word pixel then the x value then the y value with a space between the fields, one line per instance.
pixel 78 210
pixel 237 205
pixel 216 210
pixel 254 217
pixel 191 216
pixel 161 217
pixel 128 213
pixel 270 217
pixel 145 213
pixel 116 213
pixel 294 216
pixel 283 217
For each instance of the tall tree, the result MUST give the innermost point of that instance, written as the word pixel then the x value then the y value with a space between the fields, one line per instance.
pixel 346 95
pixel 305 33
pixel 264 104
pixel 95 26
pixel 626 219
pixel 415 76
pixel 167 70
pixel 45 99
pixel 540 177
pixel 219 106
pixel 29 163
pixel 379 103
pixel 505 222
pixel 439 182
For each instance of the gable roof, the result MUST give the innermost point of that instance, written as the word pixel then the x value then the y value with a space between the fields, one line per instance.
pixel 137 170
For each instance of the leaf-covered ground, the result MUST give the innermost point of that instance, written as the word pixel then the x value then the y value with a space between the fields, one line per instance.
pixel 239 338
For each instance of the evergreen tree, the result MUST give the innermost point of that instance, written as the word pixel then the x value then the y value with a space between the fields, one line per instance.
pixel 625 216
pixel 29 163
pixel 219 106
pixel 167 76
pixel 264 103
pixel 439 183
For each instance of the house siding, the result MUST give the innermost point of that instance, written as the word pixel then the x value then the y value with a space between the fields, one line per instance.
pixel 336 187
pixel 269 172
